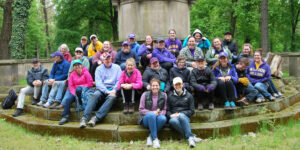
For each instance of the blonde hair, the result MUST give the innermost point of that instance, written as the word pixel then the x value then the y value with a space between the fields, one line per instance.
pixel 250 46
pixel 130 60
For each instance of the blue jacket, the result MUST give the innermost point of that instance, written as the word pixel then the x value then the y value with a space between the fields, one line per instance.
pixel 60 70
pixel 232 72
pixel 143 49
pixel 163 55
pixel 262 74
pixel 122 57
pixel 201 44
pixel 107 78
pixel 135 47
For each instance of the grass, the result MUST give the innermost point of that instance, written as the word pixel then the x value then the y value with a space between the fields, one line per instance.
pixel 285 74
pixel 22 82
pixel 280 137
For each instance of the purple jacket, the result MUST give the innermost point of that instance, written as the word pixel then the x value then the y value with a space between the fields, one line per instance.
pixel 173 46
pixel 143 49
pixel 262 74
pixel 163 55
pixel 232 72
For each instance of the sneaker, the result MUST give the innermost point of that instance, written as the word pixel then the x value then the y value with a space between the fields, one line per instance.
pixel 149 141
pixel 34 101
pixel 41 103
pixel 196 139
pixel 46 105
pixel 276 95
pixel 211 106
pixel 259 100
pixel 263 100
pixel 63 121
pixel 19 112
pixel 54 105
pixel 156 143
pixel 82 123
pixel 60 106
pixel 93 121
pixel 191 142
pixel 232 105
pixel 200 106
pixel 227 105
pixel 272 98
pixel 280 94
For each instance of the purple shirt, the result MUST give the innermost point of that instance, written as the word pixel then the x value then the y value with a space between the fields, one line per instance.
pixel 192 51
pixel 145 111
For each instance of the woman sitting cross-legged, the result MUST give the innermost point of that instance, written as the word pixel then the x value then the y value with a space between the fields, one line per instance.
pixel 180 107
pixel 153 105
pixel 226 80
pixel 130 81
pixel 80 77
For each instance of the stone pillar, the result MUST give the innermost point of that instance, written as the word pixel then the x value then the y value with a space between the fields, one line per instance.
pixel 294 67
pixel 153 17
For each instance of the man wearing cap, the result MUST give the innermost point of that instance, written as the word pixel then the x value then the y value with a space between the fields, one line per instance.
pixel 204 82
pixel 79 56
pixel 80 78
pixel 94 46
pixel 165 57
pixel 232 46
pixel 155 71
pixel 133 44
pixel 107 78
pixel 124 54
pixel 35 78
pixel 58 75
pixel 84 45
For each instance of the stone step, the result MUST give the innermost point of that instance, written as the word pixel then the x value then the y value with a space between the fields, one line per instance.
pixel 112 132
pixel 218 114
pixel 6 89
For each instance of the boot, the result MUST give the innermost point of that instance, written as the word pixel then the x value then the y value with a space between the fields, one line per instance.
pixel 200 106
pixel 34 101
pixel 131 108
pixel 54 105
pixel 19 112
pixel 125 111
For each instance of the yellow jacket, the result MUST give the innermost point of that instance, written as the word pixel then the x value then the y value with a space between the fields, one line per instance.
pixel 92 50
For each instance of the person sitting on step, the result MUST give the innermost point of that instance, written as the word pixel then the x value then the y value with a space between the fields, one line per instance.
pixel 226 79
pixel 204 83
pixel 57 79
pixel 64 49
pixel 155 71
pixel 107 79
pixel 180 107
pixel 153 105
pixel 134 45
pixel 215 50
pixel 80 76
pixel 129 83
pixel 173 44
pixel 145 51
pixel 124 54
pixel 35 78
pixel 164 56
pixel 259 73
pixel 79 56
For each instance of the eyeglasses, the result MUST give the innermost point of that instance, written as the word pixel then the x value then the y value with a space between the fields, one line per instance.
pixel 78 52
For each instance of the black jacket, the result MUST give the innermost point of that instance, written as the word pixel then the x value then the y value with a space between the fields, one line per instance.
pixel 207 78
pixel 161 75
pixel 85 48
pixel 122 57
pixel 182 104
pixel 183 73
pixel 40 73
pixel 232 46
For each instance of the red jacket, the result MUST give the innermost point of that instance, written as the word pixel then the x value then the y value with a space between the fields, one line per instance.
pixel 135 79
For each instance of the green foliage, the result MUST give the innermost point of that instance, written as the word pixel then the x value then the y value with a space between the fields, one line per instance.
pixel 20 19
pixel 1 18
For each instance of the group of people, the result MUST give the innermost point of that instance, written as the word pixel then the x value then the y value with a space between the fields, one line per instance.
pixel 173 72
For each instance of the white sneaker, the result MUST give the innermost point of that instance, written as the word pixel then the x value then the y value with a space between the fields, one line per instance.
pixel 191 142
pixel 272 98
pixel 40 103
pixel 196 139
pixel 156 143
pixel 259 100
pixel 149 141
pixel 276 95
pixel 47 105
pixel 280 94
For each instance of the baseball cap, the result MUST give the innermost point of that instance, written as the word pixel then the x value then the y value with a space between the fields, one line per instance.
pixel 160 40
pixel 227 33
pixel 200 58
pixel 77 61
pixel 177 80
pixel 131 36
pixel 223 54
pixel 84 38
pixel 104 56
pixel 35 60
pixel 125 43
pixel 153 60
pixel 93 36
pixel 78 49
pixel 57 53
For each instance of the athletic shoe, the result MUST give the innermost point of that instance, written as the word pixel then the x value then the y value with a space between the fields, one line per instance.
pixel 149 141
pixel 232 105
pixel 191 142
pixel 227 105
pixel 156 143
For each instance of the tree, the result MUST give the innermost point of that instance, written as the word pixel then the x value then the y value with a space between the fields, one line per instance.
pixel 20 19
pixel 46 27
pixel 6 29
pixel 295 11
pixel 264 25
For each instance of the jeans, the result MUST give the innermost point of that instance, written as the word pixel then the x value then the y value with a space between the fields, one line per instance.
pixel 68 99
pixel 226 90
pixel 154 123
pixel 251 93
pixel 182 125
pixel 36 90
pixel 103 110
pixel 272 89
pixel 58 89
pixel 262 89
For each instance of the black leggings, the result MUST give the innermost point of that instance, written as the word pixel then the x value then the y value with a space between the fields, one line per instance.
pixel 225 90
pixel 203 97
pixel 166 65
pixel 93 70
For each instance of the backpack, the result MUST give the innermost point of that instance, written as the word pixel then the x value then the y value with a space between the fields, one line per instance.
pixel 9 100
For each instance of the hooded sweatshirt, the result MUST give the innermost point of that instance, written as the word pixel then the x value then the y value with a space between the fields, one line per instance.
pixel 262 74
pixel 60 70
pixel 173 45
pixel 84 79
pixel 163 55
pixel 201 44
pixel 135 79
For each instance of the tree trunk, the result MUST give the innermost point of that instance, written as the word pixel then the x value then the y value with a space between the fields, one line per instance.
pixel 294 21
pixel 48 47
pixel 114 20
pixel 233 18
pixel 264 25
pixel 6 30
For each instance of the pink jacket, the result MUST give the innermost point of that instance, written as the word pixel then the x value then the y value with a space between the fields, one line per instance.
pixel 68 57
pixel 135 79
pixel 75 80
pixel 112 53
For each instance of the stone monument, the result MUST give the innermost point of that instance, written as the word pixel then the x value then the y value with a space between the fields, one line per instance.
pixel 153 17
